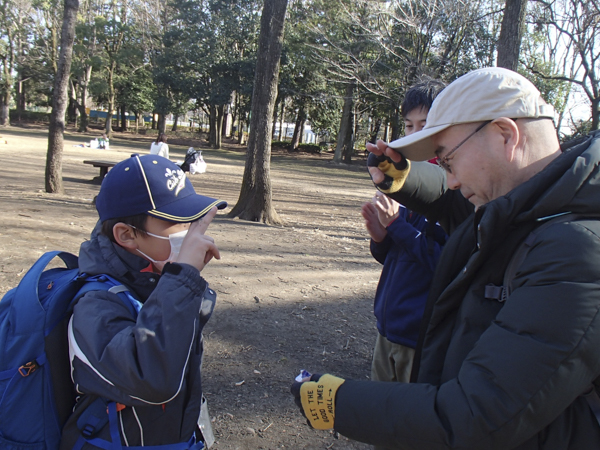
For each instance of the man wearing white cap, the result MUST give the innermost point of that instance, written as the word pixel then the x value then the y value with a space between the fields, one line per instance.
pixel 502 362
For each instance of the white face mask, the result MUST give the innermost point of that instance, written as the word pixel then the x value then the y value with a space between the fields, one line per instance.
pixel 175 240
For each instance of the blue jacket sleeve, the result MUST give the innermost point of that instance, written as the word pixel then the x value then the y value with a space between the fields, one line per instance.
pixel 415 242
pixel 145 360
pixel 379 250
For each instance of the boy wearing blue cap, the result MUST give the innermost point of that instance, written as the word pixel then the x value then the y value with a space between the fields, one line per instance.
pixel 138 375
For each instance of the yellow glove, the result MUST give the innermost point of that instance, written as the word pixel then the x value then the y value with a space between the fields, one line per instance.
pixel 395 172
pixel 318 400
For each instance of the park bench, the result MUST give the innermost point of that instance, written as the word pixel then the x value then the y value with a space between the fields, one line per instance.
pixel 103 165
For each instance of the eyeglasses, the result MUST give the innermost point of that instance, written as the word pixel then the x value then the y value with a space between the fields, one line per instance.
pixel 443 161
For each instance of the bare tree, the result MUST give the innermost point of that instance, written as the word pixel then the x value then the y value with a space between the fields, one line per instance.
pixel 255 201
pixel 511 34
pixel 384 47
pixel 577 25
pixel 60 99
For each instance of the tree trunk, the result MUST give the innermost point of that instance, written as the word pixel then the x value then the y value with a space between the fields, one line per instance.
pixel 111 100
pixel 4 109
pixel 395 123
pixel 72 107
pixel 255 200
pixel 212 126
pixel 349 140
pixel 123 118
pixel 241 124
pixel 174 127
pixel 511 33
pixel 219 126
pixel 20 97
pixel 60 100
pixel 281 117
pixel 298 128
pixel 84 119
pixel 273 126
pixel 108 123
pixel 375 131
pixel 344 123
pixel 5 90
pixel 302 125
pixel 162 123
pixel 225 120
pixel 595 114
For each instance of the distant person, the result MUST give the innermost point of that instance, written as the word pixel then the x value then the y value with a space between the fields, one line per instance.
pixel 160 147
pixel 103 142
pixel 138 375
pixel 408 246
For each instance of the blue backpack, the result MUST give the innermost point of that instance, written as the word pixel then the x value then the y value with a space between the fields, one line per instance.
pixel 36 392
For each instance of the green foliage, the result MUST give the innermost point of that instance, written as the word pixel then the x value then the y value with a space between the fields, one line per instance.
pixel 137 91
pixel 310 148
pixel 173 56
pixel 382 47
pixel 209 50
pixel 29 116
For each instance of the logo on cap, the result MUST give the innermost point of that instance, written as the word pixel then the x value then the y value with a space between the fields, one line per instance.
pixel 176 180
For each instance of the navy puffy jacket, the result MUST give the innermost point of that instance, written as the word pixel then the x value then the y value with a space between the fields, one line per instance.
pixel 409 254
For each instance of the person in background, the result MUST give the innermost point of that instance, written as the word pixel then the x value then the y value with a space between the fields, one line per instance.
pixel 160 147
pixel 408 246
pixel 103 142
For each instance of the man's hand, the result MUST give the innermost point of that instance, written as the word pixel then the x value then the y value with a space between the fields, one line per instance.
pixel 387 209
pixel 388 168
pixel 374 227
pixel 197 248
pixel 316 399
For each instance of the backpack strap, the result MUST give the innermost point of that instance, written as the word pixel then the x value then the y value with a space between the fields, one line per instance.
pixel 501 293
pixel 108 283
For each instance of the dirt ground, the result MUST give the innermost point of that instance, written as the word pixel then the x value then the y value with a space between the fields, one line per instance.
pixel 289 298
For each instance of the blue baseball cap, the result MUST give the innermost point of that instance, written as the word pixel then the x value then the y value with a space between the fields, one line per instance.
pixel 153 185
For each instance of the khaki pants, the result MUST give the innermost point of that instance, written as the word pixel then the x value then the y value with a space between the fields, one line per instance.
pixel 391 362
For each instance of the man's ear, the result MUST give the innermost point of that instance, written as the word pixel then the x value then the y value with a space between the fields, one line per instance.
pixel 510 134
pixel 125 236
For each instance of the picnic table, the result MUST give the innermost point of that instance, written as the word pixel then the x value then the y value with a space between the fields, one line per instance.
pixel 103 165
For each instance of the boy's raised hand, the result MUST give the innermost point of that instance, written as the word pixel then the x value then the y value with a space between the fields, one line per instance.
pixel 198 248
pixel 387 209
pixel 372 223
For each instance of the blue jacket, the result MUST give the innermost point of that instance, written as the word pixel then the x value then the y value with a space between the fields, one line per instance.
pixel 409 254
pixel 150 364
